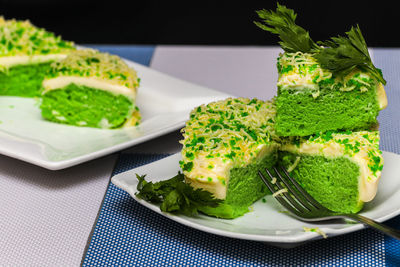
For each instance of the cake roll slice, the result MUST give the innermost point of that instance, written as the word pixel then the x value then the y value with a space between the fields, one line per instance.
pixel 225 144
pixel 26 53
pixel 340 170
pixel 311 100
pixel 93 89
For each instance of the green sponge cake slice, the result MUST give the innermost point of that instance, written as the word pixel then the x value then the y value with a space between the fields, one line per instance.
pixel 92 89
pixel 26 53
pixel 326 85
pixel 311 99
pixel 340 170
pixel 225 144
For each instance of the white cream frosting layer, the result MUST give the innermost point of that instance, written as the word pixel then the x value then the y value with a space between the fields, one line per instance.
pixel 296 81
pixel 200 175
pixel 11 61
pixel 367 186
pixel 62 81
pixel 304 82
pixel 219 173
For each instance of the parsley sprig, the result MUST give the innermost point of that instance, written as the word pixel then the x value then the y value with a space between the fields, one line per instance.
pixel 340 55
pixel 174 195
pixel 282 22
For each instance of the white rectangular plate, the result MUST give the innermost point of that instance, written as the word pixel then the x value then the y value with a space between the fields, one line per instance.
pixel 164 101
pixel 266 222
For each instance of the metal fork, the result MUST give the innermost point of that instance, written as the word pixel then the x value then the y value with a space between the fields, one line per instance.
pixel 304 207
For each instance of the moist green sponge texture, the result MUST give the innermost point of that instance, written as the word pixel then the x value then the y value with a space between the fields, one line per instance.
pixel 299 114
pixel 23 80
pixel 244 188
pixel 331 181
pixel 85 106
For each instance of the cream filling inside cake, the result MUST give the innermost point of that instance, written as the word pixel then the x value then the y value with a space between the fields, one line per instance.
pixel 216 180
pixel 368 182
pixel 62 81
pixel 294 81
pixel 11 61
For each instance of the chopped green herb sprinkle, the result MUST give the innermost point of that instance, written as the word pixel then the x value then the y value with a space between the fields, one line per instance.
pixel 23 38
pixel 230 131
pixel 299 67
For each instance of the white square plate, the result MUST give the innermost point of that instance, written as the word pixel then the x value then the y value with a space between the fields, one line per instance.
pixel 266 222
pixel 164 101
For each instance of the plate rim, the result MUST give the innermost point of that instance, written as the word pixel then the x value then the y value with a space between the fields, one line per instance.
pixel 279 240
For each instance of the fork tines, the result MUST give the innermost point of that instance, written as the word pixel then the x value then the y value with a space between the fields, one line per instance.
pixel 288 192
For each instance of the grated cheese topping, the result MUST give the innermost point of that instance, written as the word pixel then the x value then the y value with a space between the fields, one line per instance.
pixel 280 192
pixel 23 38
pixel 315 230
pixel 94 64
pixel 294 165
pixel 300 71
pixel 226 134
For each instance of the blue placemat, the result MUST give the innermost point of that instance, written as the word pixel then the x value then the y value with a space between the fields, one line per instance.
pixel 139 53
pixel 129 234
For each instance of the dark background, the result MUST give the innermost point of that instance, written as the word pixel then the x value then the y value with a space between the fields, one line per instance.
pixel 201 22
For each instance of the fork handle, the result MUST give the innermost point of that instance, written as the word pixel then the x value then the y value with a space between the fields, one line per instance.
pixel 395 233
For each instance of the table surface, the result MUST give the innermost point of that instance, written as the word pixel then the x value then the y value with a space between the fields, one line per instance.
pixel 49 215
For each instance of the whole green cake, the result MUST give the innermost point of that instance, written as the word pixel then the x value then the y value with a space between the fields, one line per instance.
pixel 26 53
pixel 225 144
pixel 92 89
pixel 340 170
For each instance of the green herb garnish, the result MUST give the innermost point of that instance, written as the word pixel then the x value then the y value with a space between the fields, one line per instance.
pixel 340 55
pixel 282 22
pixel 174 195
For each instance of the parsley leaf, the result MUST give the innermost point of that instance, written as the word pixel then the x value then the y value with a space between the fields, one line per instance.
pixel 174 195
pixel 340 55
pixel 282 22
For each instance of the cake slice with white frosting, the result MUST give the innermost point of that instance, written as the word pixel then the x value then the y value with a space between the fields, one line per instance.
pixel 90 88
pixel 312 100
pixel 340 170
pixel 225 144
